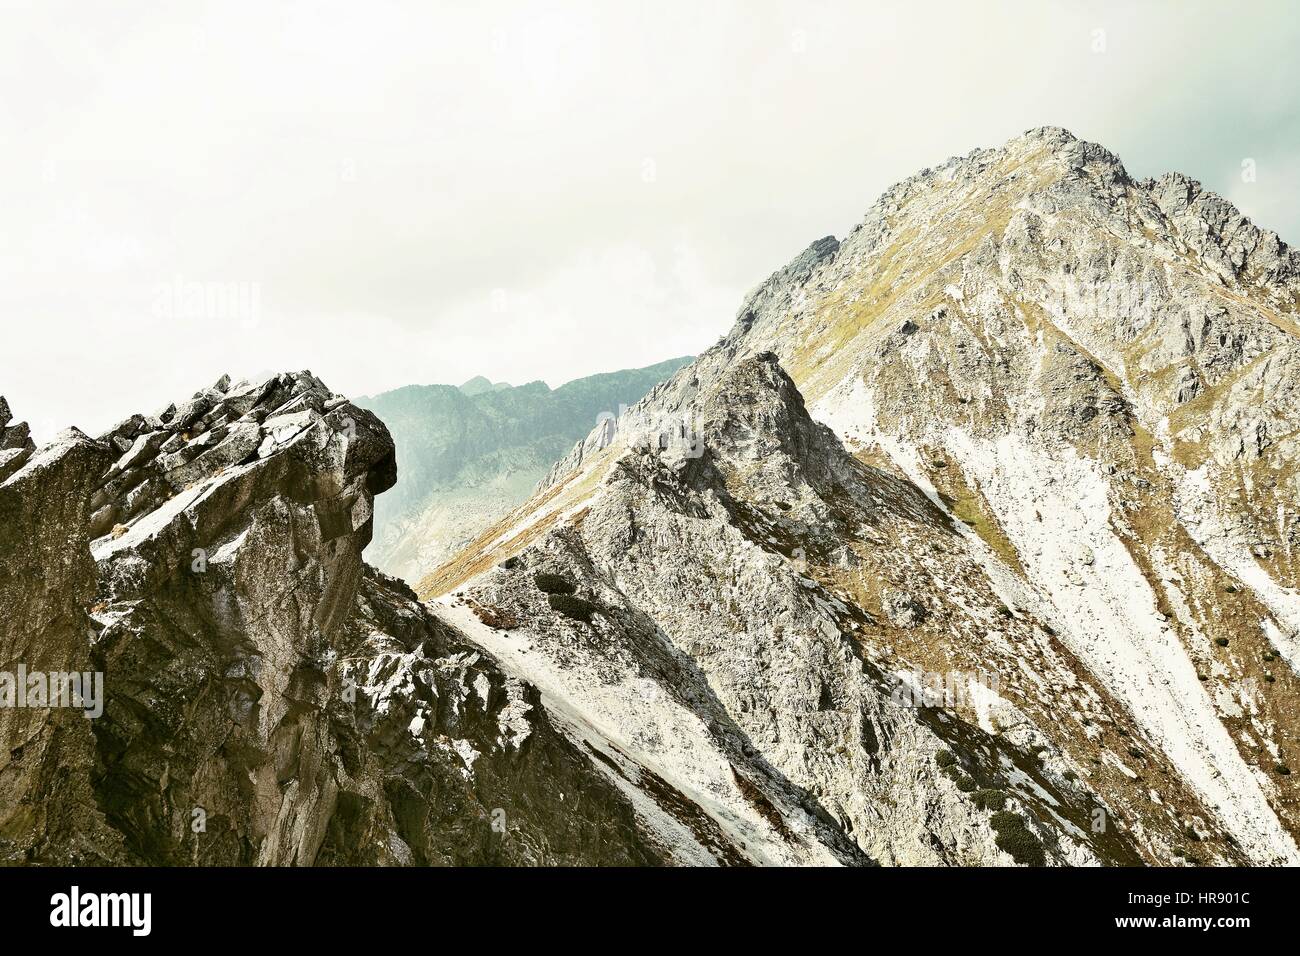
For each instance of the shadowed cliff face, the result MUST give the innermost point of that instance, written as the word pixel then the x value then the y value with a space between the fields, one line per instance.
pixel 47 582
pixel 267 698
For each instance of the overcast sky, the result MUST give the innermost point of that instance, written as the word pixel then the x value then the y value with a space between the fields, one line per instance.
pixel 396 193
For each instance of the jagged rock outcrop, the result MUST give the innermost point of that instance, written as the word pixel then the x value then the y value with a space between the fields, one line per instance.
pixel 267 698
pixel 1091 383
pixel 16 445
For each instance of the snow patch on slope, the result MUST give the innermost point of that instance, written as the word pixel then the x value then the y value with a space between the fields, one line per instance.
pixel 633 718
pixel 1114 625
pixel 1055 508
pixel 1196 509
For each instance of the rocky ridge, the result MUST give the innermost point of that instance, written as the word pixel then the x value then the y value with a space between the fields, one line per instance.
pixel 267 697
pixel 1090 381
pixel 16 445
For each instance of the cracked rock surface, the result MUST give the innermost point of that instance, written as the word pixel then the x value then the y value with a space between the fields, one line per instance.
pixel 268 698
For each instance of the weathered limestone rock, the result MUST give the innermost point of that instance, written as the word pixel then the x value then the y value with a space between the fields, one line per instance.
pixel 16 445
pixel 268 699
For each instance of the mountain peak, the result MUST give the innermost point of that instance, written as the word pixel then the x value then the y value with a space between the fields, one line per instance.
pixel 1053 134
pixel 479 385
pixel 1050 429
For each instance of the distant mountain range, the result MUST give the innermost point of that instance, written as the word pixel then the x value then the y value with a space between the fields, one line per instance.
pixel 469 454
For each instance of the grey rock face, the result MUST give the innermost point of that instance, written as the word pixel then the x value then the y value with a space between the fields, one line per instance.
pixel 1084 391
pixel 267 697
pixel 732 672
pixel 48 759
pixel 902 609
pixel 16 445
